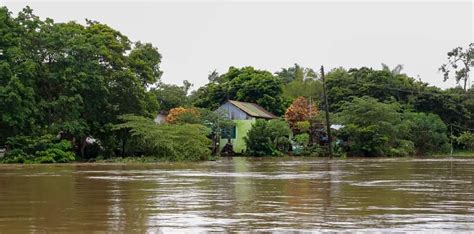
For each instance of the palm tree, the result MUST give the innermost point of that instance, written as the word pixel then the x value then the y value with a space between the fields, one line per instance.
pixel 396 71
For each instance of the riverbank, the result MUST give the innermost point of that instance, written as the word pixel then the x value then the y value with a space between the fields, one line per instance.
pixel 148 159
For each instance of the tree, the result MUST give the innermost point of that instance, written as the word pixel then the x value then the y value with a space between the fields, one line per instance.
pixel 299 81
pixel 71 79
pixel 145 61
pixel 300 110
pixel 170 96
pixel 459 61
pixel 396 71
pixel 243 84
pixel 372 128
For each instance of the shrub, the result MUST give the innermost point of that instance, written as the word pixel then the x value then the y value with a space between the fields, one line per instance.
pixel 173 142
pixel 42 149
pixel 302 139
pixel 268 138
pixel 466 140
pixel 15 156
pixel 183 115
pixel 427 131
pixel 314 151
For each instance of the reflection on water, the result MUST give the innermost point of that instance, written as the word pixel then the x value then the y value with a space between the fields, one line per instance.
pixel 240 194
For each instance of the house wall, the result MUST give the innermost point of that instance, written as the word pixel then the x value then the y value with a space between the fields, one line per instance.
pixel 160 118
pixel 232 112
pixel 242 127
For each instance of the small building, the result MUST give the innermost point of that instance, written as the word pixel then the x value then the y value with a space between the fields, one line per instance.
pixel 243 114
pixel 161 117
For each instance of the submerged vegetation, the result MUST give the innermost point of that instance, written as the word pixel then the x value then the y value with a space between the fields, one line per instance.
pixel 85 92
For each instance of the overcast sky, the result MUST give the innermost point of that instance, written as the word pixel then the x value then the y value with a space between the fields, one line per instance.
pixel 197 37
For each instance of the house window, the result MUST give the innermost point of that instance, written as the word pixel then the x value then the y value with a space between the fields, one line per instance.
pixel 227 133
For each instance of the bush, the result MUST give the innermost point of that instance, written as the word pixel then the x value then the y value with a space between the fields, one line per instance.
pixel 302 139
pixel 42 149
pixel 268 138
pixel 427 132
pixel 466 140
pixel 15 156
pixel 173 142
pixel 373 128
pixel 54 156
pixel 314 151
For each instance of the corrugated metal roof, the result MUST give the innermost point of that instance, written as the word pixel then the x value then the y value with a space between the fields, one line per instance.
pixel 253 109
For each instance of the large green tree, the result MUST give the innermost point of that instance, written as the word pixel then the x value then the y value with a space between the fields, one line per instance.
pixel 71 78
pixel 372 128
pixel 243 84
pixel 170 96
pixel 452 105
pixel 299 81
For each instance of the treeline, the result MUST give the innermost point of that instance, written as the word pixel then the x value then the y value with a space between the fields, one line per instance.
pixel 78 92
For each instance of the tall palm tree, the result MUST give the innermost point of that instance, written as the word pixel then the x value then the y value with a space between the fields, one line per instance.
pixel 396 71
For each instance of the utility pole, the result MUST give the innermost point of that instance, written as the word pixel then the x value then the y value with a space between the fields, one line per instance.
pixel 326 108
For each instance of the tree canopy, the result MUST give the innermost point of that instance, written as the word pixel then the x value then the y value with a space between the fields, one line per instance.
pixel 243 84
pixel 71 78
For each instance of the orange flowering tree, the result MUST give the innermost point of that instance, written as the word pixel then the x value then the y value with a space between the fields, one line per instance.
pixel 300 111
pixel 178 114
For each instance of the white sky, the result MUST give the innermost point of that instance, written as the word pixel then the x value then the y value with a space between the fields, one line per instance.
pixel 197 37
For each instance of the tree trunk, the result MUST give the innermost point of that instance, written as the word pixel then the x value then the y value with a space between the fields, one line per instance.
pixel 82 146
pixel 465 84
pixel 124 142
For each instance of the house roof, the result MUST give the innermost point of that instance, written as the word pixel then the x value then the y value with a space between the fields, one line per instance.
pixel 253 109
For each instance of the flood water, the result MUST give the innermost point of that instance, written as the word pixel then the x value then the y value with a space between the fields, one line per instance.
pixel 240 194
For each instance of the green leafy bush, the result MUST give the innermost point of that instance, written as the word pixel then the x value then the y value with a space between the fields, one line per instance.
pixel 466 140
pixel 173 142
pixel 427 132
pixel 15 156
pixel 314 151
pixel 372 128
pixel 302 139
pixel 42 149
pixel 268 138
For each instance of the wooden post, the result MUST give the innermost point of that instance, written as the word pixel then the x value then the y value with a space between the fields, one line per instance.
pixel 326 108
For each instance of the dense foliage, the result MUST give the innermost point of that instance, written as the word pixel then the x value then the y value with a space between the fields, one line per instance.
pixel 171 96
pixel 299 81
pixel 243 84
pixel 299 112
pixel 71 78
pixel 73 81
pixel 427 132
pixel 454 106
pixel 466 140
pixel 268 138
pixel 42 149
pixel 373 128
pixel 177 142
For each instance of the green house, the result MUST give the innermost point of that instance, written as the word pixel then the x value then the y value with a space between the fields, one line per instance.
pixel 244 114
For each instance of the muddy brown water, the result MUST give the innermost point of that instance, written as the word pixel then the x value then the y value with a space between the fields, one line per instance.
pixel 240 194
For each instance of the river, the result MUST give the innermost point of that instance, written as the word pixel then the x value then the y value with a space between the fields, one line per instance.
pixel 240 194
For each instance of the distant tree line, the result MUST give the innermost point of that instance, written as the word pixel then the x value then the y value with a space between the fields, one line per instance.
pixel 70 91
